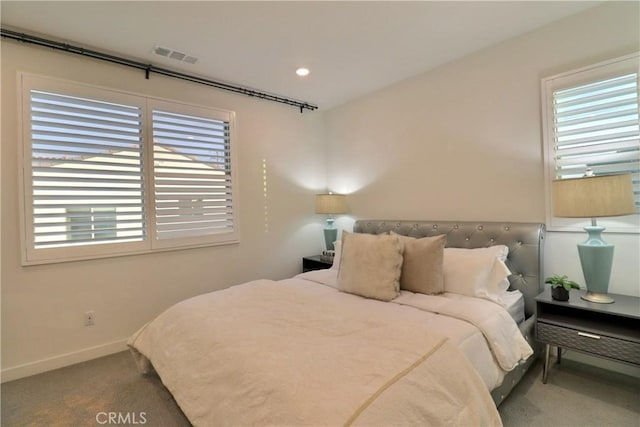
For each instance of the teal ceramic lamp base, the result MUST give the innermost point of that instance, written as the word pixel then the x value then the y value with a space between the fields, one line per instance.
pixel 596 257
pixel 330 234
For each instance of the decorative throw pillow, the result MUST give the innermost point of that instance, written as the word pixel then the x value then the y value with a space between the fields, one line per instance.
pixel 422 264
pixel 370 265
pixel 477 272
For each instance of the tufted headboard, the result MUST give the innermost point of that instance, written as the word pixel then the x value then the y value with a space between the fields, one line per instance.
pixel 525 242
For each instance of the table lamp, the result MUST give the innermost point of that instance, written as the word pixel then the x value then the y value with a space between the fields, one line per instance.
pixel 592 197
pixel 330 204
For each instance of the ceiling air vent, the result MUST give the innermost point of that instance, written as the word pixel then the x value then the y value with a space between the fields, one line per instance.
pixel 174 54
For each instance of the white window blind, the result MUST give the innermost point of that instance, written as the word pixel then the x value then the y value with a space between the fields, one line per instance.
pixel 192 175
pixel 591 123
pixel 596 127
pixel 106 173
pixel 85 157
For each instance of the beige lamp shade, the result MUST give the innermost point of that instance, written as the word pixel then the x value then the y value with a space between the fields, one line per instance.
pixel 593 196
pixel 331 204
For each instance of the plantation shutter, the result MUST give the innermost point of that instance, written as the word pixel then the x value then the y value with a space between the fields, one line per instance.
pixel 109 173
pixel 596 127
pixel 192 176
pixel 86 166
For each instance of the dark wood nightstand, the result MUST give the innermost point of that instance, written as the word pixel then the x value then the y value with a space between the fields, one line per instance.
pixel 611 331
pixel 315 262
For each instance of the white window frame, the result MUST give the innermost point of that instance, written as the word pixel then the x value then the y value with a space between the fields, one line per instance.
pixel 193 241
pixel 583 76
pixel 33 256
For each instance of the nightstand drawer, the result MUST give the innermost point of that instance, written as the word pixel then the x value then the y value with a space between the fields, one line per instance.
pixel 614 348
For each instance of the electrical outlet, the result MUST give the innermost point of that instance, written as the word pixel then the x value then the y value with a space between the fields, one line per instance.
pixel 89 318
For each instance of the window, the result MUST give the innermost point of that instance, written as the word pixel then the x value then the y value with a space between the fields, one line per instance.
pixel 91 224
pixel 108 173
pixel 191 174
pixel 85 156
pixel 590 121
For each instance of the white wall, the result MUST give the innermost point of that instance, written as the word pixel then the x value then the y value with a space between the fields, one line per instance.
pixel 463 141
pixel 43 306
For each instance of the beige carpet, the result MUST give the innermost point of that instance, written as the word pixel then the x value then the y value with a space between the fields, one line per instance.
pixel 576 395
pixel 89 393
pixel 85 394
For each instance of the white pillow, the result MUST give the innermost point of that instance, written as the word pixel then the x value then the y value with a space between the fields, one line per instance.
pixel 477 272
pixel 370 265
pixel 337 246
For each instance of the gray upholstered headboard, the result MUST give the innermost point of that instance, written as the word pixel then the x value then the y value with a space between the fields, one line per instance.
pixel 525 242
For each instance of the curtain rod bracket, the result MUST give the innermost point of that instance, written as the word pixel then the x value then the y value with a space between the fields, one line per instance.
pixel 147 71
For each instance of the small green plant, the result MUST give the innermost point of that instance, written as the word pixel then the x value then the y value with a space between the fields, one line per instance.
pixel 558 281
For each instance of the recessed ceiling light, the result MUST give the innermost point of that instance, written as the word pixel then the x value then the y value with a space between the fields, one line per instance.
pixel 302 71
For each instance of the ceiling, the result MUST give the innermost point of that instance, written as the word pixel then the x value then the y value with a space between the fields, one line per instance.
pixel 352 48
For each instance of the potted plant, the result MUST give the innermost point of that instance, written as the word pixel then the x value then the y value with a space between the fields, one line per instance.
pixel 560 287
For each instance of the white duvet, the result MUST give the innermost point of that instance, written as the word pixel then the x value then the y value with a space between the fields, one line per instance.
pixel 482 329
pixel 296 352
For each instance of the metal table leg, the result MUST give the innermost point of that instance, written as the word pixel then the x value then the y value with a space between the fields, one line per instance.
pixel 545 367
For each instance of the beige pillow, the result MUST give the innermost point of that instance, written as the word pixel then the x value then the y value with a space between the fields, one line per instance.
pixel 370 265
pixel 422 265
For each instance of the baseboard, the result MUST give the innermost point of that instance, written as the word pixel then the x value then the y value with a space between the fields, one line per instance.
pixel 44 365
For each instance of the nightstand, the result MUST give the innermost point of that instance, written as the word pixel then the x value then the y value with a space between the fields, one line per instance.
pixel 315 262
pixel 611 331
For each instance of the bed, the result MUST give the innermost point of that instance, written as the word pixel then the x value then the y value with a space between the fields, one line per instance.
pixel 341 347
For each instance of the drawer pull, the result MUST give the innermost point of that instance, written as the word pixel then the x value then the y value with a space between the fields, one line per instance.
pixel 584 334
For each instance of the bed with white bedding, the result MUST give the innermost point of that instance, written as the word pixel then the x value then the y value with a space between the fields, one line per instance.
pixel 328 348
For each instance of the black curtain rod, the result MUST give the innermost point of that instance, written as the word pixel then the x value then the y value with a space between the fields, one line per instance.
pixel 149 68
